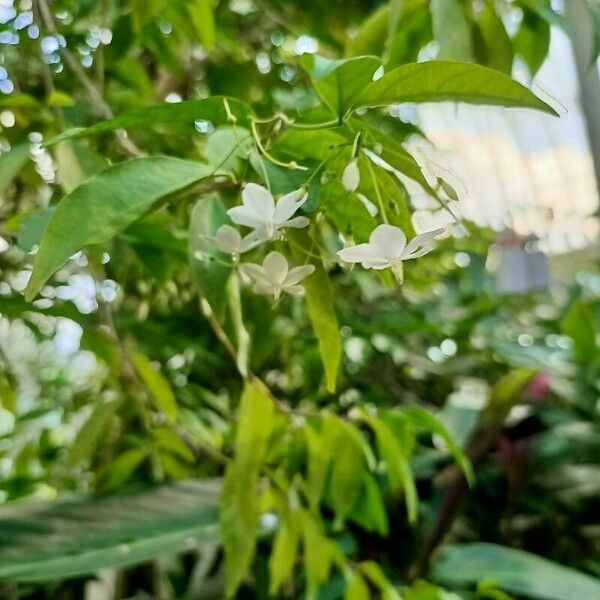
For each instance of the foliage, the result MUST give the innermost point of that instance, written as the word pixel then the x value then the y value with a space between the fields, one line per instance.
pixel 341 422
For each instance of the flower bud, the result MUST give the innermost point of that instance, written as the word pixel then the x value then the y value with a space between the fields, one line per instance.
pixel 351 176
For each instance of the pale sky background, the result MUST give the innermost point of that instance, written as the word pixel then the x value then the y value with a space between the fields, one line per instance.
pixel 519 168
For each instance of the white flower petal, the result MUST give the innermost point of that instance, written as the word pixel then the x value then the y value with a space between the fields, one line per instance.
pixel 376 262
pixel 276 265
pixel 388 241
pixel 266 289
pixel 256 273
pixel 296 223
pixel 241 215
pixel 287 205
pixel 295 290
pixel 252 240
pixel 228 239
pixel 297 274
pixel 421 244
pixel 351 176
pixel 357 254
pixel 260 201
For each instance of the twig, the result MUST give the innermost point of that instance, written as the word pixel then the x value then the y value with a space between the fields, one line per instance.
pixel 95 96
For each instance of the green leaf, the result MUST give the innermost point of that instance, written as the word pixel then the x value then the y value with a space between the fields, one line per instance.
pixel 31 227
pixel 43 541
pixel 203 20
pixel 240 509
pixel 209 266
pixel 369 510
pixel 426 420
pixel 105 205
pixel 532 41
pixel 356 588
pixel 346 479
pixel 579 325
pixel 441 81
pixel 498 45
pixel 75 163
pixel 371 36
pixel 392 152
pixel 91 432
pixel 317 553
pixel 11 163
pixel 321 310
pixel 283 555
pixel 396 463
pixel 515 571
pixel 340 82
pixel 158 386
pixel 170 115
pixel 226 146
pixel 122 468
pixel 377 577
pixel 451 29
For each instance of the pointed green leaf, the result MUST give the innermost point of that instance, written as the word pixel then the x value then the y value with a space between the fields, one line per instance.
pixel 158 386
pixel 284 553
pixel 239 503
pixel 442 81
pixel 319 300
pixel 91 432
pixel 340 82
pixel 211 110
pixel 422 418
pixel 105 205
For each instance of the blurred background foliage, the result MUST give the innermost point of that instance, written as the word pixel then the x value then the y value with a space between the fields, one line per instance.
pixel 112 381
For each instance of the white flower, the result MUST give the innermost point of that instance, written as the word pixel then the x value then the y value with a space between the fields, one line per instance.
pixel 229 240
pixel 387 248
pixel 274 276
pixel 351 176
pixel 260 211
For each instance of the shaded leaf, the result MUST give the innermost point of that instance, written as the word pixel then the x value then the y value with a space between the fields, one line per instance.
pixel 240 511
pixel 209 266
pixel 39 540
pixel 512 570
pixel 321 310
pixel 158 386
pixel 451 29
pixel 91 432
pixel 11 163
pixel 211 110
pixel 105 205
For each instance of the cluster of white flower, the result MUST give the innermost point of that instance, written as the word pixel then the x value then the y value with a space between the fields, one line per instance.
pixel 267 219
pixel 387 246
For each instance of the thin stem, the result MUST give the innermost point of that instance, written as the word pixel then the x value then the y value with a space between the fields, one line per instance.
pixel 268 156
pixel 312 126
pixel 95 96
pixel 377 192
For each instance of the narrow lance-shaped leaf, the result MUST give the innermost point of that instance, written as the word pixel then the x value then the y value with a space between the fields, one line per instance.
pixel 239 502
pixel 209 266
pixel 442 81
pixel 157 385
pixel 105 205
pixel 212 110
pixel 319 299
pixel 422 418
